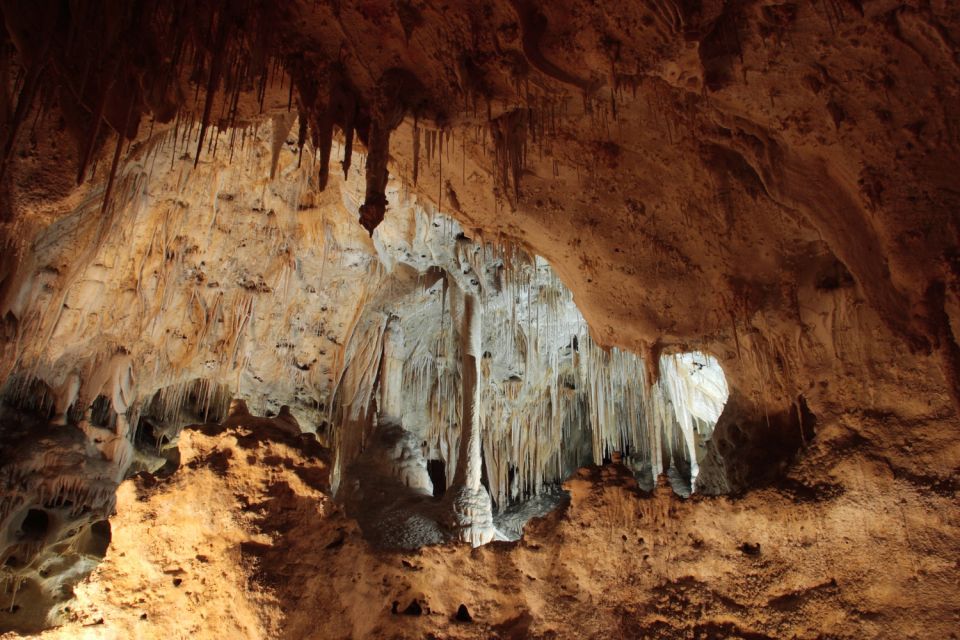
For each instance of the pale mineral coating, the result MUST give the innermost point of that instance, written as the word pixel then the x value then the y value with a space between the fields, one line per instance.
pixel 771 183
pixel 132 329
pixel 766 182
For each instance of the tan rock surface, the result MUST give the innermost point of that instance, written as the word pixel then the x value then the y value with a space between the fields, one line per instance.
pixel 853 545
pixel 773 183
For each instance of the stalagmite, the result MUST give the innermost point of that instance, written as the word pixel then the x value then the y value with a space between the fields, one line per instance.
pixel 391 373
pixel 472 510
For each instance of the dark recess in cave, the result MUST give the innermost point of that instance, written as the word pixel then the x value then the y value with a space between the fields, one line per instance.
pixel 35 525
pixel 438 476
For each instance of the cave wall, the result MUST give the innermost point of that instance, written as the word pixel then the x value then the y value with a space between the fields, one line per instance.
pixel 762 155
pixel 767 182
pixel 207 292
pixel 772 183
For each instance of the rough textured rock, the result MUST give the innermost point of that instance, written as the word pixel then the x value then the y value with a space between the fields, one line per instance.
pixel 260 551
pixel 56 495
pixel 445 327
pixel 770 183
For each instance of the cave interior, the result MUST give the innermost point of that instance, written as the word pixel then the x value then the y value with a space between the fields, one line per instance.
pixel 512 319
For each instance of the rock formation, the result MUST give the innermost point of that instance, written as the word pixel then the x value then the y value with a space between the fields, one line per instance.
pixel 593 245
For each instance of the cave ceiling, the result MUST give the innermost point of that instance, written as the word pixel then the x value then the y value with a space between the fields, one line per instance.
pixel 210 199
pixel 687 166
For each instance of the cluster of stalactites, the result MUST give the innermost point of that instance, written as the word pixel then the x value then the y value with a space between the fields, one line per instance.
pixel 218 53
pixel 656 427
pixel 183 403
pixel 550 398
pixel 588 405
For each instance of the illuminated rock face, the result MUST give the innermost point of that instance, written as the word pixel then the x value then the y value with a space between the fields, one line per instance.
pixel 460 329
pixel 417 345
pixel 762 189
pixel 413 347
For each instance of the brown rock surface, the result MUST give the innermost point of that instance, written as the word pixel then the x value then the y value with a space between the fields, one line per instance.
pixel 774 183
pixel 243 542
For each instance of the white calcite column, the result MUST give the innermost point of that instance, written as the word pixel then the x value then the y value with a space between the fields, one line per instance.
pixel 391 373
pixel 471 504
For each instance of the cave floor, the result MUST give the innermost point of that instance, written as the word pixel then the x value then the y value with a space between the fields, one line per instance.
pixel 244 542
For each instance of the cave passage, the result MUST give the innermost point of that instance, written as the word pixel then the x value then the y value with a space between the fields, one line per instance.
pixel 453 380
pixel 287 319
pixel 35 525
pixel 474 387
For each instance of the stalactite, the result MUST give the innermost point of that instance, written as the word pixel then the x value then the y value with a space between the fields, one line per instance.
pixel 550 399
pixel 301 134
pixel 213 82
pixel 281 128
pixel 108 191
pixel 398 93
pixel 340 109
pixel 416 152
pixel 509 133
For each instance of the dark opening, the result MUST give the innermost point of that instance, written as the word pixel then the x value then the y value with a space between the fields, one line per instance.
pixel 484 477
pixel 758 450
pixel 463 614
pixel 101 413
pixel 99 540
pixel 438 475
pixel 35 524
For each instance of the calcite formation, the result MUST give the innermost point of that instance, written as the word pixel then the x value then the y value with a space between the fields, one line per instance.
pixel 470 248
pixel 475 352
pixel 58 491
